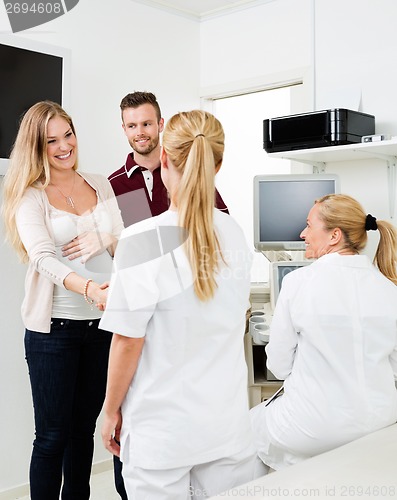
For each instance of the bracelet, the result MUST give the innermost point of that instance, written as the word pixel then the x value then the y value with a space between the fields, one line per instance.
pixel 86 298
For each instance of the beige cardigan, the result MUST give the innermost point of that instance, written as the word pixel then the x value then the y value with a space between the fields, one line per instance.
pixel 44 269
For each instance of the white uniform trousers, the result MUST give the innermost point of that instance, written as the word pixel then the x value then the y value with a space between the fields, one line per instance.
pixel 196 482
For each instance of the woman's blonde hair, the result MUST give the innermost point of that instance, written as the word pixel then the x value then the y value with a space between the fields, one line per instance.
pixel 194 142
pixel 28 165
pixel 344 212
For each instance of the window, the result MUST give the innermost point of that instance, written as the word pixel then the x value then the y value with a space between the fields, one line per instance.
pixel 242 119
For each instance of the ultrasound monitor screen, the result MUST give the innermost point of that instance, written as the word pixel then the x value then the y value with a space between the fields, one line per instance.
pixel 278 271
pixel 281 206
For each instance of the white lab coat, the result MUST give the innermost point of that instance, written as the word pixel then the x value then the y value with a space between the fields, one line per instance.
pixel 333 339
pixel 187 403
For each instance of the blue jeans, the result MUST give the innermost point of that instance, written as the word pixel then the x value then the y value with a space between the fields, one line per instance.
pixel 68 370
pixel 118 477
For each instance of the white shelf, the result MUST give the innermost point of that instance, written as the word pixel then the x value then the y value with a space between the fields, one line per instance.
pixel 349 152
pixel 319 157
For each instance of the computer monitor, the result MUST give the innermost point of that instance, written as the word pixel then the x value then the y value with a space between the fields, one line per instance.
pixel 281 205
pixel 278 270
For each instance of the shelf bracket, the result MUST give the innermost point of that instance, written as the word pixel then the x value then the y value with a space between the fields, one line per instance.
pixel 380 156
pixel 318 166
pixel 391 177
pixel 385 151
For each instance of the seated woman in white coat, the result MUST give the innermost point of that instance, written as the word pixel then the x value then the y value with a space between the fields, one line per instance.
pixel 333 339
pixel 177 304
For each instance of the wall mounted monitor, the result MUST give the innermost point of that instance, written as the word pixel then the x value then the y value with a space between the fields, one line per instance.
pixel 29 72
pixel 281 205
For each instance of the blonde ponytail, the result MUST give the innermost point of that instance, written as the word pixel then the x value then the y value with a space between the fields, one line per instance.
pixel 343 211
pixel 386 253
pixel 194 142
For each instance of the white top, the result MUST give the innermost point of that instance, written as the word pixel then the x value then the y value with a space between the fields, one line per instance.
pixel 187 403
pixel 66 227
pixel 333 339
pixel 45 270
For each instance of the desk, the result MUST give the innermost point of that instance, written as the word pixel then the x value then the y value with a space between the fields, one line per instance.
pixel 365 468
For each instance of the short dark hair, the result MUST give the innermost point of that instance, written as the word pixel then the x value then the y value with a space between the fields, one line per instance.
pixel 137 99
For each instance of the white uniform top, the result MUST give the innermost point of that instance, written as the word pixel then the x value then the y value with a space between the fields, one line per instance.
pixel 333 339
pixel 187 403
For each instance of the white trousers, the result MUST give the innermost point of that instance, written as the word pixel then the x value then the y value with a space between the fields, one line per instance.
pixel 196 482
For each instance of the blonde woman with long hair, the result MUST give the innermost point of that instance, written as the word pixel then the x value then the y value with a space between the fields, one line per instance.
pixel 64 225
pixel 333 339
pixel 177 305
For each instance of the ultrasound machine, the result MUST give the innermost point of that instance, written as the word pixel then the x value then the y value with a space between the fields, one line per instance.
pixel 281 205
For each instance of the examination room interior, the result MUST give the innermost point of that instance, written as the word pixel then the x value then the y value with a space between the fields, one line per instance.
pixel 334 54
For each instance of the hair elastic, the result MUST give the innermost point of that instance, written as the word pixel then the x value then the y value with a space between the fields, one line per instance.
pixel 370 223
pixel 198 135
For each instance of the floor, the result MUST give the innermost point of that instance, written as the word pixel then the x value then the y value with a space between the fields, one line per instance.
pixel 102 487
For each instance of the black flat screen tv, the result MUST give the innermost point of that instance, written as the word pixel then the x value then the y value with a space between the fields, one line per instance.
pixel 29 72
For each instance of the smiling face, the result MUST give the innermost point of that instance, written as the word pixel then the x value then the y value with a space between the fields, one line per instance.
pixel 61 144
pixel 318 240
pixel 142 128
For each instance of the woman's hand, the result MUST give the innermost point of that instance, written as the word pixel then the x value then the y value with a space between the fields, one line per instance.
pixel 87 245
pixel 98 293
pixel 111 428
pixel 94 293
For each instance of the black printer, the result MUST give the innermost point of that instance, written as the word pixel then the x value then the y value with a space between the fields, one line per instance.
pixel 330 127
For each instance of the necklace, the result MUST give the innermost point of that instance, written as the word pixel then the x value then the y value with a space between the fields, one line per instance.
pixel 68 198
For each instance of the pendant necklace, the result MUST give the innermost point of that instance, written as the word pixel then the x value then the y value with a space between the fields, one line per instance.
pixel 69 199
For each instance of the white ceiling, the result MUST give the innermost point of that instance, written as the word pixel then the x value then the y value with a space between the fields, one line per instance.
pixel 202 9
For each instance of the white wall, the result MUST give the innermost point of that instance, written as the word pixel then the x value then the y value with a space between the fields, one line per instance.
pixel 121 46
pixel 16 416
pixel 338 46
pixel 117 47
pixel 270 39
pixel 355 47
